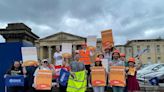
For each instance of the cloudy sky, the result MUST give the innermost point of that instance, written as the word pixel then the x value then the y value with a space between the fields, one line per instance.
pixel 129 19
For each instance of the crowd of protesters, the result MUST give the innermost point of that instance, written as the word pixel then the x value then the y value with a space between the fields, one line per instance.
pixel 80 60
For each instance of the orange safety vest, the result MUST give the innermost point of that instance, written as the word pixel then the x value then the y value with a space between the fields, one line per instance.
pixel 85 57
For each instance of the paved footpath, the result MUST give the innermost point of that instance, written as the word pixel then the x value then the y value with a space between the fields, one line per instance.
pixel 144 88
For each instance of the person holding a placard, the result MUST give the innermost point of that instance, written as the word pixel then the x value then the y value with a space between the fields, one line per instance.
pixel 15 70
pixel 66 59
pixel 85 55
pixel 132 82
pixel 98 85
pixel 65 66
pixel 116 59
pixel 108 52
pixel 116 62
pixel 77 81
pixel 44 66
pixel 105 64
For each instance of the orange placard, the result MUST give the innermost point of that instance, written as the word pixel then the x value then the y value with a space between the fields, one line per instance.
pixel 107 38
pixel 98 76
pixel 43 80
pixel 117 76
pixel 132 71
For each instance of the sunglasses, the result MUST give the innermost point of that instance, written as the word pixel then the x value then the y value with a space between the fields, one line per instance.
pixel 46 62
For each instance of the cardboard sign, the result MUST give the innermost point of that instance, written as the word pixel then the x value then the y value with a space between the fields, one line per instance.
pixel 131 71
pixel 91 42
pixel 117 76
pixel 29 56
pixel 98 77
pixel 17 80
pixel 66 49
pixel 107 38
pixel 43 80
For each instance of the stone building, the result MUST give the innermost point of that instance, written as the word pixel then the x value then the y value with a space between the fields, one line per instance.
pixel 152 49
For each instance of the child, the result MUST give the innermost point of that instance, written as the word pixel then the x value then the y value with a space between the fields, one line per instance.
pixel 132 83
pixel 98 88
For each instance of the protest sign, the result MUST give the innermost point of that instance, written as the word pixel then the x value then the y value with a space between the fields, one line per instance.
pixel 66 50
pixel 98 77
pixel 43 80
pixel 107 38
pixel 91 42
pixel 29 56
pixel 117 76
pixel 16 80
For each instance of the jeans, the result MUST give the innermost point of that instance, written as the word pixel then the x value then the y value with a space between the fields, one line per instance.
pixel 118 89
pixel 98 89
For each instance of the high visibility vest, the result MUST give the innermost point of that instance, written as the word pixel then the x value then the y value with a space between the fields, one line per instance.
pixel 78 83
pixel 85 57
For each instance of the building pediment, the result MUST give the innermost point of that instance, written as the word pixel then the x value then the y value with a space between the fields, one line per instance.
pixel 62 36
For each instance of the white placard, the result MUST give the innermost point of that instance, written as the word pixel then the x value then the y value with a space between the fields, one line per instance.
pixel 92 40
pixel 105 64
pixel 67 48
pixel 29 53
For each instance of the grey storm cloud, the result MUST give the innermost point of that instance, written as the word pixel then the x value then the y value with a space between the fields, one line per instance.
pixel 129 19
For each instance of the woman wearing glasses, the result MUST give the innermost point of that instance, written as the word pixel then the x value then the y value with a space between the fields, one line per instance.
pixel 44 66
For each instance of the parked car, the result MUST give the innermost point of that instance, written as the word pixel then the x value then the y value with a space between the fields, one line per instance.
pixel 157 71
pixel 149 69
pixel 158 74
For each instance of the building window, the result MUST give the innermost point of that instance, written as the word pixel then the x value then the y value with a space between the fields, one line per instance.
pixel 149 60
pixel 148 48
pixel 158 49
pixel 138 46
pixel 158 59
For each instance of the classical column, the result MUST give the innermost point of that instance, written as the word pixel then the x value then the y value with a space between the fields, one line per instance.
pixel 49 54
pixel 38 51
pixel 41 52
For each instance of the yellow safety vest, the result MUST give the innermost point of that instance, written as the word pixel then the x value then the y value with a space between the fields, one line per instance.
pixel 78 83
